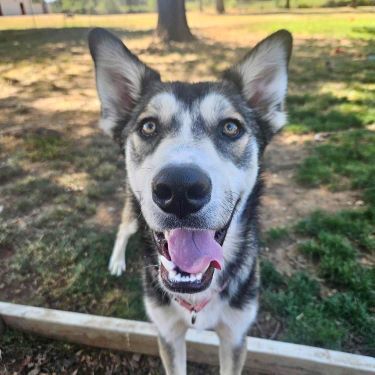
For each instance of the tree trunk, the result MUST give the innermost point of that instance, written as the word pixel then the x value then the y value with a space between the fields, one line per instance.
pixel 220 6
pixel 287 4
pixel 172 22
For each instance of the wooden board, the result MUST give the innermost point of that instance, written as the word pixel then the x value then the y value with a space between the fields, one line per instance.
pixel 264 356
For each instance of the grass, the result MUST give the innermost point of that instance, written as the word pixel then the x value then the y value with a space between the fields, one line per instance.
pixel 61 189
pixel 275 234
pixel 340 321
pixel 346 161
pixel 327 113
pixel 9 170
pixel 357 226
pixel 337 24
pixel 43 148
pixel 29 193
pixel 340 247
pixel 69 264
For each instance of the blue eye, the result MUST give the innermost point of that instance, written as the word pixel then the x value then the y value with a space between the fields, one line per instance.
pixel 148 127
pixel 231 128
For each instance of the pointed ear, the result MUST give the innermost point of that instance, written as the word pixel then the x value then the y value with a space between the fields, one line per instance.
pixel 121 78
pixel 262 77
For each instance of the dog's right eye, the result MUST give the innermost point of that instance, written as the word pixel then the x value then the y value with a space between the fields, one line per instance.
pixel 148 127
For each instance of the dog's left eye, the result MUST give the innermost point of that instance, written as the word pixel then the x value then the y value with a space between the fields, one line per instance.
pixel 231 128
pixel 148 127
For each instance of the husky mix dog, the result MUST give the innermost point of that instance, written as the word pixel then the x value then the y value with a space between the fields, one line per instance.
pixel 192 155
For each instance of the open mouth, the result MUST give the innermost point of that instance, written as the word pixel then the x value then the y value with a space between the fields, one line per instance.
pixel 189 257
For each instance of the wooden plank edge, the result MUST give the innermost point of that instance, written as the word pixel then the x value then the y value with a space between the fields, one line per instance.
pixel 264 356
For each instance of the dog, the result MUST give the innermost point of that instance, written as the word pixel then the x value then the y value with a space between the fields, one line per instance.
pixel 193 163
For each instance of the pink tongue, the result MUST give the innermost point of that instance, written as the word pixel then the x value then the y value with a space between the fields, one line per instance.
pixel 192 251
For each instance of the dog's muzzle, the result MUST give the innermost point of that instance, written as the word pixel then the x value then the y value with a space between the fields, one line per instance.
pixel 188 257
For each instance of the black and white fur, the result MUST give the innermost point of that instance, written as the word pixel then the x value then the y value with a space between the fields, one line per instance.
pixel 190 119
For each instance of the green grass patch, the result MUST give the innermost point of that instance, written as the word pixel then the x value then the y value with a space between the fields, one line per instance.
pixel 306 23
pixel 331 322
pixel 47 147
pixel 356 226
pixel 326 112
pixel 275 234
pixel 70 264
pixel 29 193
pixel 84 205
pixel 9 235
pixel 105 171
pixel 102 189
pixel 336 26
pixel 347 160
pixel 9 171
pixel 337 243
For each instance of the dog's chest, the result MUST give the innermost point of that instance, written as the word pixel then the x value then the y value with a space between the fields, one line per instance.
pixel 216 315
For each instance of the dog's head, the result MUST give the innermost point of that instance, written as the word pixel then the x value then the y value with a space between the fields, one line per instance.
pixel 192 150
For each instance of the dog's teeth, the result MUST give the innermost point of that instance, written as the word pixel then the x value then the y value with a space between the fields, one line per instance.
pixel 172 275
pixel 169 265
pixel 176 277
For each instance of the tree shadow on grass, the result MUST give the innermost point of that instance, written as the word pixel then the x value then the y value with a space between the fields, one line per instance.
pixel 61 254
pixel 44 44
pixel 364 30
pixel 324 113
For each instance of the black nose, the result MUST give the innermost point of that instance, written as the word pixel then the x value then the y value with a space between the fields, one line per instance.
pixel 181 190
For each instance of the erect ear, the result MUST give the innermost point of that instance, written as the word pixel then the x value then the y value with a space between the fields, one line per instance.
pixel 263 76
pixel 121 77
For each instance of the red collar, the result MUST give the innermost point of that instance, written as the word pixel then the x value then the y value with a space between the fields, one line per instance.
pixel 194 309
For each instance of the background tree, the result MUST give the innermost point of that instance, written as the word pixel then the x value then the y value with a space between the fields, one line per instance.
pixel 172 22
pixel 220 6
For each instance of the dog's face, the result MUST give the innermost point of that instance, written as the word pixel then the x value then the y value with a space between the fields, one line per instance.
pixel 192 150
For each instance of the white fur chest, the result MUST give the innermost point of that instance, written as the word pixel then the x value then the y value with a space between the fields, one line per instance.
pixel 174 318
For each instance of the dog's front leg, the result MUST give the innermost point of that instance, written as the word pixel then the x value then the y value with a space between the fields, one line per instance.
pixel 173 354
pixel 172 330
pixel 128 226
pixel 232 356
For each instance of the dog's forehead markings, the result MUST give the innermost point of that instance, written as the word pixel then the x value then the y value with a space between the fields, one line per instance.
pixel 215 107
pixel 163 105
pixel 186 120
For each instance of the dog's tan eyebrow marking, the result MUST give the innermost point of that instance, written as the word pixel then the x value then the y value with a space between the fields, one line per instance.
pixel 162 106
pixel 215 107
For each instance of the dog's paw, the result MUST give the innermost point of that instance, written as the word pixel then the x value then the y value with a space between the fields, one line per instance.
pixel 117 266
